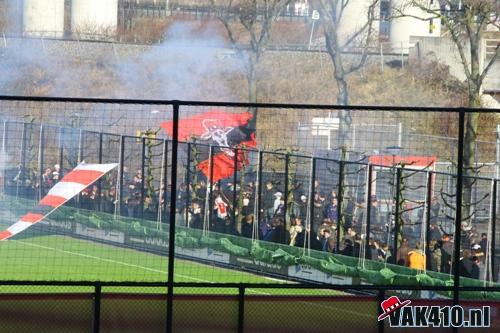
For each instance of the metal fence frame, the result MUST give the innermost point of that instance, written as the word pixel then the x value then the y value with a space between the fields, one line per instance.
pixel 170 284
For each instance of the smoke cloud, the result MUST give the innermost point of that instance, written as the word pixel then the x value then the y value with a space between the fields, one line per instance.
pixel 188 65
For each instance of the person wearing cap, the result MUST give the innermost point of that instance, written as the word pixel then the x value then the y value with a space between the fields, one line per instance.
pixel 477 251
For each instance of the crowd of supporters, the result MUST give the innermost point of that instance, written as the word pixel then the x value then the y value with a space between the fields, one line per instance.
pixel 233 210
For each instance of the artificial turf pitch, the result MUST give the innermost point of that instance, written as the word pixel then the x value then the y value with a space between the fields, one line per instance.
pixel 64 258
pixel 139 309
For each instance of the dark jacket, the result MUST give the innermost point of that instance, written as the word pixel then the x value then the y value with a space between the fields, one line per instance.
pixel 246 230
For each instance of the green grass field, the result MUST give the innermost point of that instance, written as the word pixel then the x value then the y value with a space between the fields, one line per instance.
pixel 63 258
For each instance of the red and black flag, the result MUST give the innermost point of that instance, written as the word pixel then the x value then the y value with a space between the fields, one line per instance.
pixel 224 131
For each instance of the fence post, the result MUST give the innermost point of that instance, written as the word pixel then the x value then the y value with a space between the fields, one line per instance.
pixel 241 309
pixel 40 162
pixel 4 151
pixel 61 152
pixel 427 217
pixel 120 175
pixel 96 326
pixel 400 134
pixel 340 198
pixel 188 182
pixel 235 180
pixel 396 215
pixel 380 298
pixel 173 205
pixel 99 187
pixel 285 210
pixel 21 176
pixel 497 153
pixel 79 160
pixel 143 172
pixel 165 177
pixel 458 211
pixel 211 187
pixel 369 208
pixel 493 229
pixel 311 195
pixel 259 187
pixel 80 145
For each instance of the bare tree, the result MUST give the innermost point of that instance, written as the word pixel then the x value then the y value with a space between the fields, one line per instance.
pixel 338 41
pixel 248 25
pixel 466 22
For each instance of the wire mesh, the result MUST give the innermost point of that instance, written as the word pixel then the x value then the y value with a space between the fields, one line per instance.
pixel 263 195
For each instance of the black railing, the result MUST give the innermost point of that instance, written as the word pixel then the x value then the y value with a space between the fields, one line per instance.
pixel 243 291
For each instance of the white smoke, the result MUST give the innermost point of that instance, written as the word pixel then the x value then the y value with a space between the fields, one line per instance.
pixel 188 65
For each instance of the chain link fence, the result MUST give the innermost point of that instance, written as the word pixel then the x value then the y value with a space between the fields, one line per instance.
pixel 261 196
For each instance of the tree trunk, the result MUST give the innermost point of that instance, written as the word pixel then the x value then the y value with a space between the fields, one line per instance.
pixel 345 116
pixel 471 125
pixel 252 90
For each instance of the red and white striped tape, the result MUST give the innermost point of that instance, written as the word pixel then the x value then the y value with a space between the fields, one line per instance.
pixel 72 183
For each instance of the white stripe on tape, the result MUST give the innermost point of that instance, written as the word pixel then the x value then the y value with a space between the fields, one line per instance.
pixel 18 227
pixel 104 168
pixel 66 190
